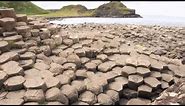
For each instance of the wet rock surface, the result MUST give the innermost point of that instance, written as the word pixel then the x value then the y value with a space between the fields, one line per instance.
pixel 88 64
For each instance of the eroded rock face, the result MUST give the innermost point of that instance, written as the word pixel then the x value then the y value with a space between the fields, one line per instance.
pixel 174 95
pixel 85 64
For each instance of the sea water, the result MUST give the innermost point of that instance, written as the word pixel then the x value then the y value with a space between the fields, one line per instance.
pixel 146 20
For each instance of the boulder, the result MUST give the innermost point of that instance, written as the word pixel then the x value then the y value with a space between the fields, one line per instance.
pixel 104 99
pixel 54 94
pixel 14 83
pixel 7 12
pixel 34 95
pixel 11 102
pixel 21 18
pixel 8 24
pixel 88 97
pixel 70 92
pixel 106 66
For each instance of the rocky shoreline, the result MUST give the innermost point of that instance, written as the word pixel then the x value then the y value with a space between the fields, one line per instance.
pixel 86 64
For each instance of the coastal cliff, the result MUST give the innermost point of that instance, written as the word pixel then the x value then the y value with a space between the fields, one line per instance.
pixel 111 9
pixel 114 9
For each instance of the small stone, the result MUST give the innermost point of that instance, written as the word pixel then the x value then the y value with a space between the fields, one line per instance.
pixel 31 73
pixel 121 79
pixel 34 32
pixel 117 70
pixel 102 57
pixel 131 61
pixel 70 74
pixel 156 65
pixel 18 24
pixel 26 64
pixel 164 85
pixel 46 74
pixel 143 62
pixel 28 55
pixel 56 69
pixel 88 97
pixel 7 12
pixel 34 95
pixel 94 87
pixel 46 59
pixel 22 30
pixel 14 83
pixel 52 82
pixel 114 95
pixel 41 66
pixel 16 94
pixel 134 81
pixel 73 58
pixel 152 82
pixel 106 66
pixel 11 102
pixel 145 72
pixel 144 91
pixel 168 78
pixel 7 23
pixel 97 62
pixel 44 33
pixel 63 79
pixel 79 85
pixel 46 50
pixel 80 52
pixel 12 68
pixel 13 39
pixel 110 76
pixel 70 92
pixel 59 60
pixel 105 99
pixel 54 94
pixel 124 49
pixel 21 18
pixel 68 42
pixel 129 93
pixel 156 74
pixel 138 101
pixel 81 74
pixel 117 86
pixel 77 46
pixel 128 70
pixel 90 66
pixel 84 60
pixel 33 83
pixel 70 66
pixel 4 46
pixel 8 56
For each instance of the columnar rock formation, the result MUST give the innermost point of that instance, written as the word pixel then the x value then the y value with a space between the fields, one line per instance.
pixel 42 64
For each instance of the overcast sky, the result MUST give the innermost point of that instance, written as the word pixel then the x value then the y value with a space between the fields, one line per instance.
pixel 170 8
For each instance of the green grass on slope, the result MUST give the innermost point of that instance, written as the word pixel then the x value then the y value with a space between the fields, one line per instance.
pixel 113 8
pixel 23 7
pixel 71 10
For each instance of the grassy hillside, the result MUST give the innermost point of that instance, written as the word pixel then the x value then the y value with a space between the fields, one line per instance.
pixel 111 9
pixel 71 10
pixel 23 7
